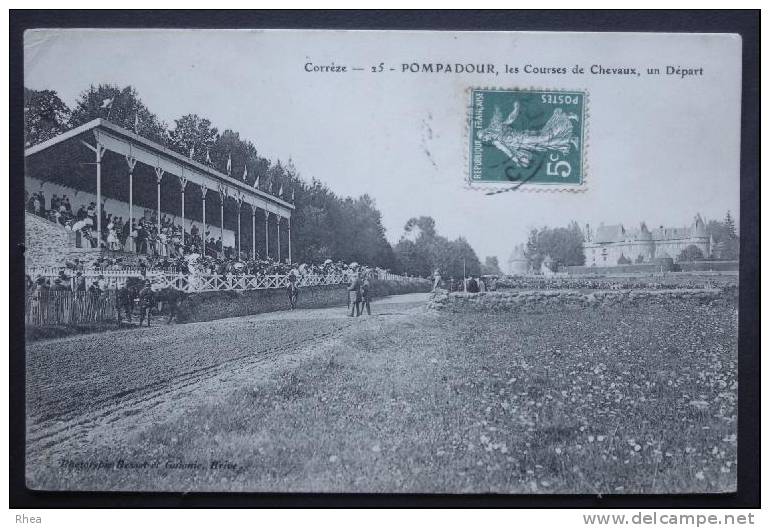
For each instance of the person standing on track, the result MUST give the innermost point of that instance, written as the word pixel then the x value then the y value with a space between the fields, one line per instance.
pixel 366 292
pixel 146 303
pixel 292 291
pixel 436 279
pixel 354 296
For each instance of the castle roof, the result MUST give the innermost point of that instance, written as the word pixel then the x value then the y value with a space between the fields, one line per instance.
pixel 609 233
pixel 699 228
pixel 643 233
pixel 606 234
pixel 671 233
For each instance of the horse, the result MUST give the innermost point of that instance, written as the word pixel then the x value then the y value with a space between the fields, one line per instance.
pixel 171 300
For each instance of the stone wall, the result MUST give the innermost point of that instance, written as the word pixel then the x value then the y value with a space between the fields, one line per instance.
pixel 654 267
pixel 536 301
pixel 208 306
pixel 648 267
pixel 710 265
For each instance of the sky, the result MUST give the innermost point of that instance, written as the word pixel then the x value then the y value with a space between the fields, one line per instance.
pixel 659 148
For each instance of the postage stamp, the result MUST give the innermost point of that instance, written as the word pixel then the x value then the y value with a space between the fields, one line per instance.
pixel 527 138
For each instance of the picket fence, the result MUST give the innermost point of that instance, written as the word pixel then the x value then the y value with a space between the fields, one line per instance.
pixel 54 307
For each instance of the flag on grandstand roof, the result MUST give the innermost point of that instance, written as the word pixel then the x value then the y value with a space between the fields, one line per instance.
pixel 280 190
pixel 256 182
pixel 292 194
pixel 229 163
pixel 245 172
pixel 136 122
pixel 107 102
pixel 208 157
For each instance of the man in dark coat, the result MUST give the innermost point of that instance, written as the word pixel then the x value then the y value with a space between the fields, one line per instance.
pixel 354 296
pixel 124 298
pixel 366 294
pixel 80 282
pixel 292 291
pixel 146 303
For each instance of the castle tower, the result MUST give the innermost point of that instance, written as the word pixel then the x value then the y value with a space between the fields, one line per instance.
pixel 517 262
pixel 699 236
pixel 644 251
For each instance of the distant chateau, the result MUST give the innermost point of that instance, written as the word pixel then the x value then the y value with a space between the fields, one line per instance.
pixel 612 245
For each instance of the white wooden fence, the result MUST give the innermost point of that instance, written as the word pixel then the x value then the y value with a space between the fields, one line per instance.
pixel 193 283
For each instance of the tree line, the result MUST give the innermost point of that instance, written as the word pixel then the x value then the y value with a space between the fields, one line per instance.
pixel 324 224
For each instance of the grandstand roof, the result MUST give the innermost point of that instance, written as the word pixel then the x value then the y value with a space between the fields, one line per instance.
pixel 127 143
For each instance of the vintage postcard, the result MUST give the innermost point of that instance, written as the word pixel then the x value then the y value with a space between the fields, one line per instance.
pixel 381 261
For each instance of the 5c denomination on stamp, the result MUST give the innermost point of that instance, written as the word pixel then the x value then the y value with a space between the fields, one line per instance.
pixel 527 139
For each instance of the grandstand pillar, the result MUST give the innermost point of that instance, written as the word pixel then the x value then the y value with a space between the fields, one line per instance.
pixel 278 235
pixel 239 201
pixel 253 233
pixel 159 176
pixel 267 235
pixel 288 223
pixel 131 164
pixel 183 182
pixel 99 154
pixel 203 232
pixel 222 218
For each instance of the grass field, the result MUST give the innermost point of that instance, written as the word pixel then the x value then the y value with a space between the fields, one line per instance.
pixel 595 401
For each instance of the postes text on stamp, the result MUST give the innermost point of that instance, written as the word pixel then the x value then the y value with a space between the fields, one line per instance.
pixel 527 138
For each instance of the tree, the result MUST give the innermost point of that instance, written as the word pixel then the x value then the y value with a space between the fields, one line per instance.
pixel 325 225
pixel 491 266
pixel 730 226
pixel 422 250
pixel 690 253
pixel 193 134
pixel 563 244
pixel 121 106
pixel 726 245
pixel 623 260
pixel 45 116
pixel 424 225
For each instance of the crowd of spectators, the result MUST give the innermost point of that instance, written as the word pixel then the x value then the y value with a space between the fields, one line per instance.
pixel 75 282
pixel 73 276
pixel 142 235
pixel 468 285
pixel 163 250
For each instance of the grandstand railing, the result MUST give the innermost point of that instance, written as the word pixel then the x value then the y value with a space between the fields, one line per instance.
pixel 194 283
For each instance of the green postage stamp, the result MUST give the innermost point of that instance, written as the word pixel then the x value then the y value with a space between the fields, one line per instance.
pixel 529 139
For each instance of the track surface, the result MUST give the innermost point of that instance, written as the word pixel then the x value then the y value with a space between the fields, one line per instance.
pixel 79 384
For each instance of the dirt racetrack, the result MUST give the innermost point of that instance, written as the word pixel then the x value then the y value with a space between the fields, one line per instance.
pixel 77 384
pixel 638 400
